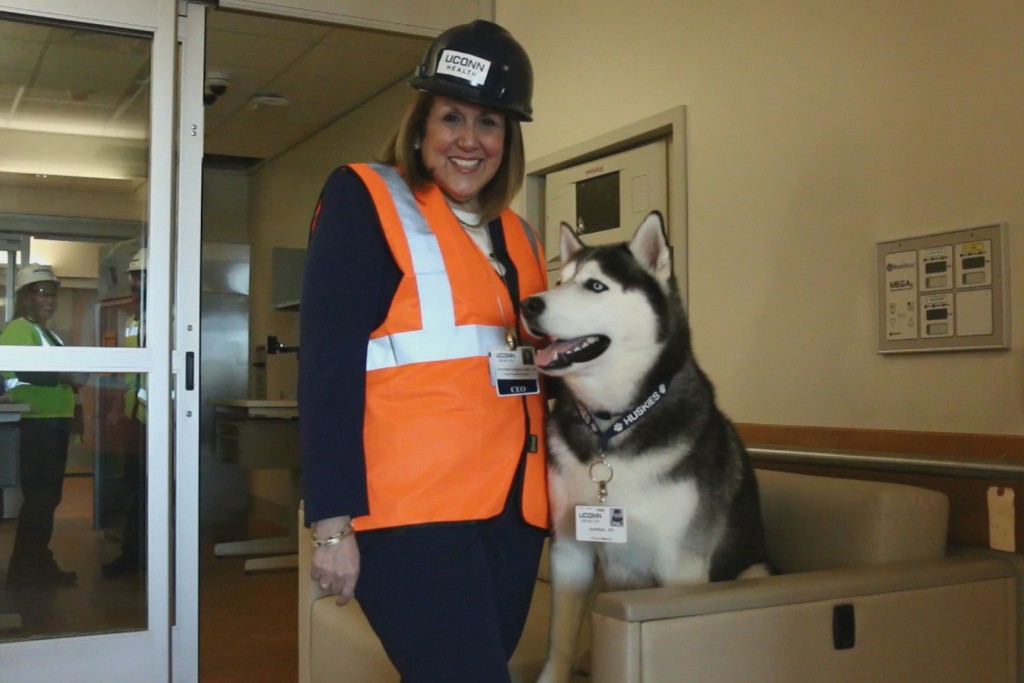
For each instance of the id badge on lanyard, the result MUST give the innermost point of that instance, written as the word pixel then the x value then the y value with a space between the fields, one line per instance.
pixel 513 372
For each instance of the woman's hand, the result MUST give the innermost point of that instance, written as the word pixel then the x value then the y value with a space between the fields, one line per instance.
pixel 336 567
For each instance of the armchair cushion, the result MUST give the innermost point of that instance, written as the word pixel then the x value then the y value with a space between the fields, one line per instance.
pixel 814 523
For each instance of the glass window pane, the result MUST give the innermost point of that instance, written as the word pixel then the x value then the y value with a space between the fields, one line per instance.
pixel 75 135
pixel 72 484
pixel 74 130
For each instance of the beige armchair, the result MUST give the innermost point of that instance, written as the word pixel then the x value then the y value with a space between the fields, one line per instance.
pixel 867 593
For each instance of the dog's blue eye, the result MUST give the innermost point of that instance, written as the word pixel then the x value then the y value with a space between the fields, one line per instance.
pixel 595 285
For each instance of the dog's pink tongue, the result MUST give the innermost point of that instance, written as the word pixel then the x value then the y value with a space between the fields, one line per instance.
pixel 549 353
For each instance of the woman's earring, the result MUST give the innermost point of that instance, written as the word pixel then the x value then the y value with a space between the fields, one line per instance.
pixel 416 143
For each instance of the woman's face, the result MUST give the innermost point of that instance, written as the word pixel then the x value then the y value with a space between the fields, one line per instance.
pixel 42 300
pixel 462 147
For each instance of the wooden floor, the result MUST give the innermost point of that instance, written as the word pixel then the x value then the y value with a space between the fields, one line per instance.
pixel 247 622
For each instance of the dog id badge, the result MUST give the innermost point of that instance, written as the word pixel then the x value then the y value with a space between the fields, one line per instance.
pixel 513 371
pixel 600 524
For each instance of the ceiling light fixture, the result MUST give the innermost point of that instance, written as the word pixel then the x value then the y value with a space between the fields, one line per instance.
pixel 268 101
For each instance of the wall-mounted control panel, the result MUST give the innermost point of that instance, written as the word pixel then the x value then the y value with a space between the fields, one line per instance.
pixel 945 292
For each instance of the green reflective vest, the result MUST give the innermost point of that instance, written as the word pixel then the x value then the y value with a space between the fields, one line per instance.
pixel 40 390
pixel 135 399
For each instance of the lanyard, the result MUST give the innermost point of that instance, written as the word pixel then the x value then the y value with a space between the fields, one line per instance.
pixel 511 276
pixel 604 471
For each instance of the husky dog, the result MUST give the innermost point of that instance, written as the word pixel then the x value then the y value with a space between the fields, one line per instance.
pixel 635 436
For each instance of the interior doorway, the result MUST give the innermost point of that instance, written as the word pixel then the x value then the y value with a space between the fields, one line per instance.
pixel 271 85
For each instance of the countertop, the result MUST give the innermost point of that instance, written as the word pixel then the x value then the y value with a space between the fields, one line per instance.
pixel 281 409
pixel 11 412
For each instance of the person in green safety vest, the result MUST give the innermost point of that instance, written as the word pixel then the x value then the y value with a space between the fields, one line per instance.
pixel 43 432
pixel 134 409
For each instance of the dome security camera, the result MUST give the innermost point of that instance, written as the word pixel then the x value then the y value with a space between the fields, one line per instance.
pixel 215 86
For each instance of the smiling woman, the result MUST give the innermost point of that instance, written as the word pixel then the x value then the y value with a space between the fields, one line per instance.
pixel 413 278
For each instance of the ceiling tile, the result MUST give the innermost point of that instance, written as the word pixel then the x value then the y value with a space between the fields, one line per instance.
pixel 225 49
pixel 252 25
pixel 99 81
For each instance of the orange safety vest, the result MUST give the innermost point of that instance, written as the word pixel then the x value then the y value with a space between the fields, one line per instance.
pixel 441 445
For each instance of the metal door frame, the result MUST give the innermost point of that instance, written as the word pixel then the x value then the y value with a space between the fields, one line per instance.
pixel 170 643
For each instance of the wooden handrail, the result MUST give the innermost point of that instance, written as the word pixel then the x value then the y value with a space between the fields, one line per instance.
pixel 914 463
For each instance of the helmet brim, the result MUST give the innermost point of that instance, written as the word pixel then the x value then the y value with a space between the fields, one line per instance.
pixel 439 86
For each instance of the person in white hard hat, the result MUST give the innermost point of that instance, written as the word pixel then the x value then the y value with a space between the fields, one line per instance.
pixel 137 281
pixel 43 450
pixel 132 420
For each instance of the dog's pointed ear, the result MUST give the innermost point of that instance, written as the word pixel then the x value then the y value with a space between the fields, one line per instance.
pixel 568 242
pixel 650 247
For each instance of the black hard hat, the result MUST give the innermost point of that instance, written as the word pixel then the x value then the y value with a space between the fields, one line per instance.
pixel 478 62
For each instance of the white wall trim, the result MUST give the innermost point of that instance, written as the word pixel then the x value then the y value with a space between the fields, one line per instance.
pixel 670 125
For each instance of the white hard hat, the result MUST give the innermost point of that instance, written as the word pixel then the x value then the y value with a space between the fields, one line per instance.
pixel 139 261
pixel 33 272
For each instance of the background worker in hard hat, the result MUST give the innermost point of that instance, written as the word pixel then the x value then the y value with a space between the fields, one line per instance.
pixel 43 439
pixel 425 485
pixel 131 426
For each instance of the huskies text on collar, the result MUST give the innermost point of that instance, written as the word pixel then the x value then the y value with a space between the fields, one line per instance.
pixel 627 420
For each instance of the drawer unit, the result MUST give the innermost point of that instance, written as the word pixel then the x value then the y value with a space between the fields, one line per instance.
pixel 258 443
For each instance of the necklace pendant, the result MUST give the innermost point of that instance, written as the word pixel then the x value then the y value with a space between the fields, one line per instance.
pixel 510 338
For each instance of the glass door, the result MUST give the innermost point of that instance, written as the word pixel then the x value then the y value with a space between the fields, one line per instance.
pixel 90 357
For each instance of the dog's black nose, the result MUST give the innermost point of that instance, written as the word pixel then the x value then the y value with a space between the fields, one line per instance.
pixel 533 306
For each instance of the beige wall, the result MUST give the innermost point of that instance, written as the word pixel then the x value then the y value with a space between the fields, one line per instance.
pixel 815 130
pixel 284 195
pixel 225 206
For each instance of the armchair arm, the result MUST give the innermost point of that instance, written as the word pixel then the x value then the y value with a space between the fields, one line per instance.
pixel 335 641
pixel 948 620
pixel 309 592
pixel 726 596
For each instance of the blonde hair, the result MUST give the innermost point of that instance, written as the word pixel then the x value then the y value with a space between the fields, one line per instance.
pixel 403 151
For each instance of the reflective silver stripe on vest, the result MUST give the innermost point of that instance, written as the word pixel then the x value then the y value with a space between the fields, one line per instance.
pixel 440 339
pixel 423 346
pixel 436 304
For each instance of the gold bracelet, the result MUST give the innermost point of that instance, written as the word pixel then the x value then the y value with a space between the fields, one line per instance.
pixel 332 539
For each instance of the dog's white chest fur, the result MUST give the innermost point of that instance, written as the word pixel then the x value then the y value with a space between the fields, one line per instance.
pixel 659 515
